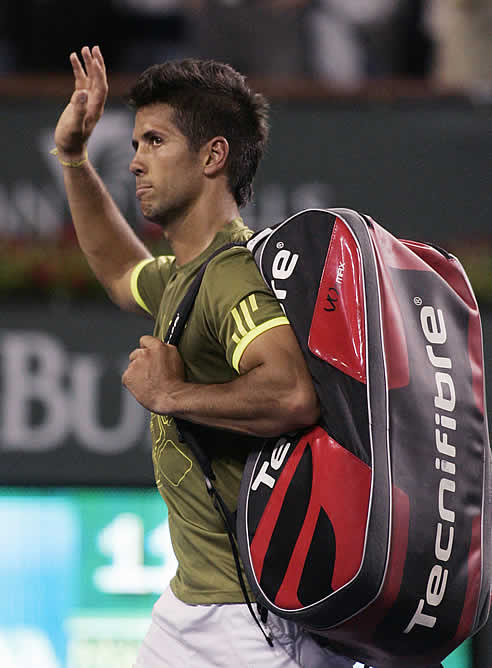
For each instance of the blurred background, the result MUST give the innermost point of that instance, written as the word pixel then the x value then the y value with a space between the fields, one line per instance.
pixel 380 105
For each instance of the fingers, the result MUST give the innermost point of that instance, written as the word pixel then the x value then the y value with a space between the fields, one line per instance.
pixel 136 353
pixel 146 344
pixel 97 55
pixel 78 72
pixel 90 78
pixel 148 341
pixel 88 62
pixel 93 72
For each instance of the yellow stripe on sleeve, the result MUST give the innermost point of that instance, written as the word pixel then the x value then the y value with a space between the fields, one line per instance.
pixel 252 301
pixel 247 315
pixel 239 322
pixel 251 336
pixel 134 283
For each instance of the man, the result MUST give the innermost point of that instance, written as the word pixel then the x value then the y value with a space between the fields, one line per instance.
pixel 238 374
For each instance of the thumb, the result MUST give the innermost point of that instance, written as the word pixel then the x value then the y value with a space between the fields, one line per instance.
pixel 79 101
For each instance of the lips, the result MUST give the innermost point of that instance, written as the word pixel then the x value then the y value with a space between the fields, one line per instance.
pixel 142 189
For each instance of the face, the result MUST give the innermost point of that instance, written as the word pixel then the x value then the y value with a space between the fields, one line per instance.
pixel 169 175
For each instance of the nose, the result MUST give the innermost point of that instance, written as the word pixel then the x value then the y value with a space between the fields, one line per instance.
pixel 137 167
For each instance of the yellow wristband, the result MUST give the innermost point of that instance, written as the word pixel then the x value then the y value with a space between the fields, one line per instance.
pixel 70 163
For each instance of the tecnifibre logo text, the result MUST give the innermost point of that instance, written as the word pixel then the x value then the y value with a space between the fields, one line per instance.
pixel 434 329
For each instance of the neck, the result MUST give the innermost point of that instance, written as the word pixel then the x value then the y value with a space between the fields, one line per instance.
pixel 194 232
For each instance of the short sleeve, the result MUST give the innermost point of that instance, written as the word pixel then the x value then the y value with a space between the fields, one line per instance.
pixel 238 304
pixel 148 280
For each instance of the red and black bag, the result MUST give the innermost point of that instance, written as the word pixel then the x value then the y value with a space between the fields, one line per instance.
pixel 373 529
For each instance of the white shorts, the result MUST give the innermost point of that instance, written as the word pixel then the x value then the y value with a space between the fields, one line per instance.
pixel 226 636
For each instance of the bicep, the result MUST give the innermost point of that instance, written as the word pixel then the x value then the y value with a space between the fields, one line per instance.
pixel 276 365
pixel 278 351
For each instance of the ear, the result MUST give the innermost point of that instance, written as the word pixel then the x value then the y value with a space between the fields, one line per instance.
pixel 216 152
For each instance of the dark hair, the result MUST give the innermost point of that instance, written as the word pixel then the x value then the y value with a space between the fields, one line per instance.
pixel 211 99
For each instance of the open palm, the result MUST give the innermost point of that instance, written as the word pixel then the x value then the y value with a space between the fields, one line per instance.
pixel 86 105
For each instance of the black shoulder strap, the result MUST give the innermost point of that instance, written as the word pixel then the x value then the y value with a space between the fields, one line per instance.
pixel 173 336
pixel 176 328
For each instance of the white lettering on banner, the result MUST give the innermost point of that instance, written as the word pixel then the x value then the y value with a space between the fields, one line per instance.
pixel 37 208
pixel 30 211
pixel 123 541
pixel 111 154
pixel 36 370
pixel 33 366
pixel 434 329
pixel 87 371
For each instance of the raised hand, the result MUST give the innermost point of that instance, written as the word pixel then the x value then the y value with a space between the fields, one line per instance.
pixel 86 105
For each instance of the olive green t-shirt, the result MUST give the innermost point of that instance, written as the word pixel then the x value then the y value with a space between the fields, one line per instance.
pixel 232 308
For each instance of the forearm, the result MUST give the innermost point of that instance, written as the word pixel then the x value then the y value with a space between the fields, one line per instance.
pixel 274 393
pixel 249 404
pixel 106 239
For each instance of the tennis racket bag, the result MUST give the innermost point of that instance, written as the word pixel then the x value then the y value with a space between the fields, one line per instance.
pixel 372 529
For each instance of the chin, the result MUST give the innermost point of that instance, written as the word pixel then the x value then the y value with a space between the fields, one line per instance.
pixel 164 218
pixel 162 221
pixel 149 213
